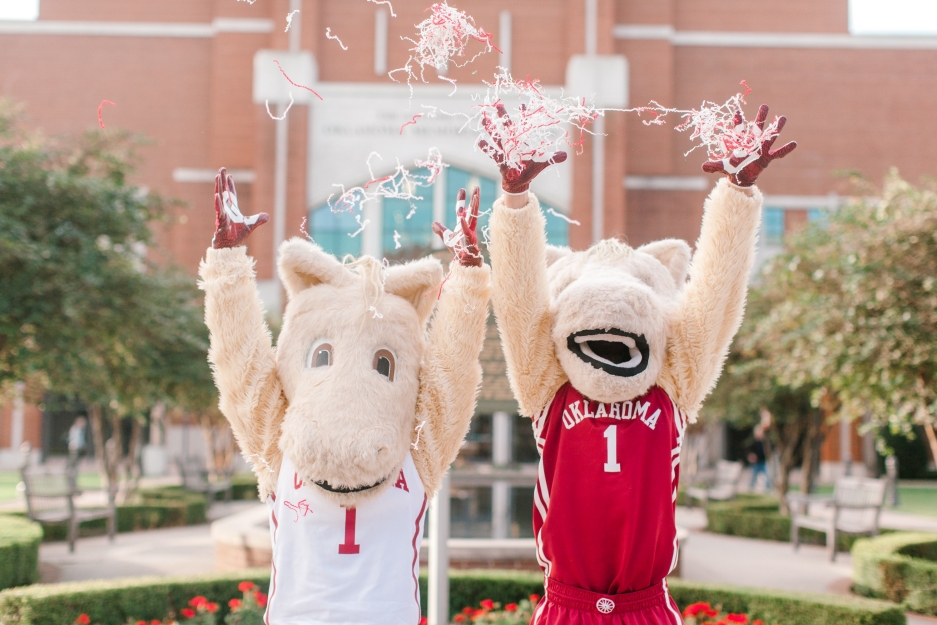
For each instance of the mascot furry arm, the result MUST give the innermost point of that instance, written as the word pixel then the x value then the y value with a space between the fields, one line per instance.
pixel 708 312
pixel 252 391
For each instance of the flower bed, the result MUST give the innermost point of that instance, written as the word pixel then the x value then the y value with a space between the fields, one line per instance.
pixel 900 567
pixel 19 551
pixel 117 602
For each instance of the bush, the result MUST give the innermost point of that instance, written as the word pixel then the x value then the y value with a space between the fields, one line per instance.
pixel 151 508
pixel 19 551
pixel 244 487
pixel 759 516
pixel 900 567
pixel 115 602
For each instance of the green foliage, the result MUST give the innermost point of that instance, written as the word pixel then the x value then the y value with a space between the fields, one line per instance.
pixel 754 516
pixel 114 602
pixel 84 305
pixel 900 567
pixel 855 307
pixel 150 508
pixel 19 551
pixel 244 487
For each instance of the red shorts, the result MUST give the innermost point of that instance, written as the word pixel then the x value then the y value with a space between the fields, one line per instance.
pixel 566 605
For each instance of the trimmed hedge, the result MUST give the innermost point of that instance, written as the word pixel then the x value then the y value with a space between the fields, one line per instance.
pixel 19 551
pixel 115 602
pixel 152 508
pixel 900 567
pixel 244 487
pixel 759 516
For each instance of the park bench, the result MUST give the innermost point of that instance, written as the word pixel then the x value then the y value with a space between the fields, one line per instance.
pixel 50 498
pixel 856 505
pixel 197 478
pixel 723 487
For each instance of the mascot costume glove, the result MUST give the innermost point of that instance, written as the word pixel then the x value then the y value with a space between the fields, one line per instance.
pixel 352 420
pixel 611 351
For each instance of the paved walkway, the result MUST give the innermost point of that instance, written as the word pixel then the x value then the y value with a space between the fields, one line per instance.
pixel 705 557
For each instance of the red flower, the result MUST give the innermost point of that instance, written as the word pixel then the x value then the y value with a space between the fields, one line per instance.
pixel 245 586
pixel 234 604
pixel 511 607
pixel 758 622
pixel 187 612
pixel 261 598
pixel 468 610
pixel 83 619
pixel 737 618
pixel 695 608
pixel 141 622
pixel 211 607
pixel 459 618
pixel 424 621
pixel 198 601
pixel 155 622
pixel 488 604
pixel 534 598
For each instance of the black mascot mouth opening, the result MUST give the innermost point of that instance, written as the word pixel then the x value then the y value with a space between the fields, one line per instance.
pixel 343 490
pixel 614 351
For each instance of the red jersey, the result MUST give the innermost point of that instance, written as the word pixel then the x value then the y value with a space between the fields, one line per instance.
pixel 605 499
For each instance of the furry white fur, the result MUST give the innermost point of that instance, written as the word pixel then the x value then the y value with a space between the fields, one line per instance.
pixel 549 299
pixel 346 423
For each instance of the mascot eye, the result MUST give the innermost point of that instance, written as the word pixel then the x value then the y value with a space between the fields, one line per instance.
pixel 384 363
pixel 320 355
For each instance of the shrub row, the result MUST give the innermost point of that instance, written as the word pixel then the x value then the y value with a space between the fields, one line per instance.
pixel 244 487
pixel 900 567
pixel 116 602
pixel 19 551
pixel 759 516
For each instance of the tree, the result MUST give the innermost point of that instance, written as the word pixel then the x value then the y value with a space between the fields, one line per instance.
pixel 848 314
pixel 83 305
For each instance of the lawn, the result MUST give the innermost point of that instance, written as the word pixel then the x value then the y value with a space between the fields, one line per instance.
pixel 9 480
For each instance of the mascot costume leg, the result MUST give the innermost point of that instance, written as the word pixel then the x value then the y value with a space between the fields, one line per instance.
pixel 352 419
pixel 610 351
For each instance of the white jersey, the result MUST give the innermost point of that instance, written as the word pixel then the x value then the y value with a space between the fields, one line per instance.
pixel 355 566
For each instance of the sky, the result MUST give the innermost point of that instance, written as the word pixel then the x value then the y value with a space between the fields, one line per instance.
pixel 866 17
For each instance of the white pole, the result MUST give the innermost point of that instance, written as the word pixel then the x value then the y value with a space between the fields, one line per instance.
pixel 501 435
pixel 380 42
pixel 439 206
pixel 598 181
pixel 438 591
pixel 19 414
pixel 372 238
pixel 592 26
pixel 504 39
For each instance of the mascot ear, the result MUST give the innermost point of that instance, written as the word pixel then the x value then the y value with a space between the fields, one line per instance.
pixel 416 282
pixel 303 264
pixel 556 252
pixel 674 254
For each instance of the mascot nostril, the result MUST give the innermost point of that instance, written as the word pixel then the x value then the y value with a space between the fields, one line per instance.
pixel 352 421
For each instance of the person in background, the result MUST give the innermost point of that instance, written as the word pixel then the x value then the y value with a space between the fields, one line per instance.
pixel 77 441
pixel 756 457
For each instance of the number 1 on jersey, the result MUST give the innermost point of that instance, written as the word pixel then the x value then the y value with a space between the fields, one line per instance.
pixel 611 461
pixel 349 547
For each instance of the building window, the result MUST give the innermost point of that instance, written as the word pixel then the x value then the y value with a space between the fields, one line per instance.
pixel 773 225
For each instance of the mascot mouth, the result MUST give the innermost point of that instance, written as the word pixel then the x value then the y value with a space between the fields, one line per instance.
pixel 342 490
pixel 614 351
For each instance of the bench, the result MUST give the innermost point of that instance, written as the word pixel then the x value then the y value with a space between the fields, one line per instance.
pixel 724 485
pixel 856 505
pixel 50 498
pixel 196 478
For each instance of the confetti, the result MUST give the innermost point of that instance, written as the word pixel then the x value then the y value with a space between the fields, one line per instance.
pixel 392 14
pixel 719 128
pixel 289 20
pixel 396 240
pixel 100 112
pixel 563 217
pixel 441 38
pixel 290 80
pixel 329 35
pixel 362 225
pixel 412 121
pixel 283 116
pixel 419 431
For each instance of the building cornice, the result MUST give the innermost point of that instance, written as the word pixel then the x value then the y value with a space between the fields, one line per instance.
pixel 184 30
pixel 726 39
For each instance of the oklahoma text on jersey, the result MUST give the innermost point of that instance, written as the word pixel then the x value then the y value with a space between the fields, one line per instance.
pixel 604 505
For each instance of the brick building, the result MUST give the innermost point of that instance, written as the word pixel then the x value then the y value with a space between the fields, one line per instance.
pixel 182 72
